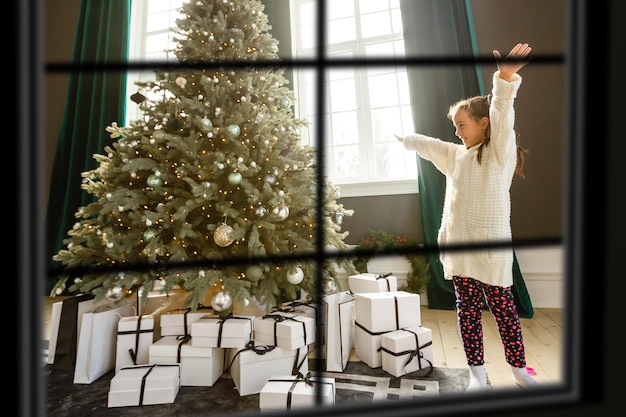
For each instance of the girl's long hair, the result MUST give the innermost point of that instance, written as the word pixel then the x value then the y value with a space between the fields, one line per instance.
pixel 478 107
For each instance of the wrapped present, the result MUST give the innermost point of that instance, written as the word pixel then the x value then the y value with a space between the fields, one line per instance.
pixel 222 331
pixel 135 334
pixel 177 321
pixel 367 346
pixel 289 392
pixel 386 311
pixel 338 326
pixel 287 331
pixel 199 366
pixel 407 350
pixel 144 385
pixel 300 307
pixel 253 366
pixel 158 302
pixel 367 282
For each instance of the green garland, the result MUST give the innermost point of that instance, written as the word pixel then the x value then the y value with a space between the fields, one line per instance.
pixel 419 274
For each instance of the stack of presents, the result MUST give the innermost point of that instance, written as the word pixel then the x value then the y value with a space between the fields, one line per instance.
pixel 156 349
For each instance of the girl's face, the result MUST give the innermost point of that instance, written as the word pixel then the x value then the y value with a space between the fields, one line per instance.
pixel 469 130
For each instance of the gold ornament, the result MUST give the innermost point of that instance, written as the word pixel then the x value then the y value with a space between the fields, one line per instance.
pixel 223 235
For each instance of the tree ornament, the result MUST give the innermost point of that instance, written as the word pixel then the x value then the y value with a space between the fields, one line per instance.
pixel 270 179
pixel 223 235
pixel 234 178
pixel 233 130
pixel 115 294
pixel 338 218
pixel 149 234
pixel 206 123
pixel 329 286
pixel 285 102
pixel 181 81
pixel 281 211
pixel 138 97
pixel 154 181
pixel 261 211
pixel 295 276
pixel 254 273
pixel 221 301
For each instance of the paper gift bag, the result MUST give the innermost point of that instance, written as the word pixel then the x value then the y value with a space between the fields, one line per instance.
pixel 55 319
pixel 67 327
pixel 338 318
pixel 97 340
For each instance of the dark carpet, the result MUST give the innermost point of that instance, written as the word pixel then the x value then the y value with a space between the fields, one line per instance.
pixel 358 384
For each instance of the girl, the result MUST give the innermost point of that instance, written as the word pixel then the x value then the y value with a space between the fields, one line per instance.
pixel 477 209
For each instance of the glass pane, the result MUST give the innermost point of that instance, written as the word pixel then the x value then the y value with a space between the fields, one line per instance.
pixel 344 128
pixel 379 49
pixel 342 95
pixel 341 30
pixel 308 13
pixel 385 123
pixel 383 90
pixel 308 40
pixel 396 21
pixel 341 74
pixel 158 21
pixel 375 24
pixel 368 6
pixel 157 43
pixel 346 162
pixel 392 161
pixel 339 9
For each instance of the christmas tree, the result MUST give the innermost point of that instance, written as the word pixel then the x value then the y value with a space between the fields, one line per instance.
pixel 212 189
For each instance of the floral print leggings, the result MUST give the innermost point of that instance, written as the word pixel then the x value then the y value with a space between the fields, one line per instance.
pixel 469 294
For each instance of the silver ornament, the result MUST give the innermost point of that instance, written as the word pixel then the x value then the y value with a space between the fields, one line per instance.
pixel 338 218
pixel 221 301
pixel 261 211
pixel 233 130
pixel 282 212
pixel 206 123
pixel 181 82
pixel 296 276
pixel 154 181
pixel 223 235
pixel 329 286
pixel 149 234
pixel 270 179
pixel 115 294
pixel 234 178
pixel 254 273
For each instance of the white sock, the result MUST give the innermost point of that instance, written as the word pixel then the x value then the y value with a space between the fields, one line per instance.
pixel 478 379
pixel 522 378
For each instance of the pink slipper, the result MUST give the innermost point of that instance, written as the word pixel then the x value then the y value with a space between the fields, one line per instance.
pixel 531 371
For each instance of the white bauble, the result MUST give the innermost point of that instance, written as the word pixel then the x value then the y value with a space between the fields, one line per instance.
pixel 296 276
pixel 223 235
pixel 221 301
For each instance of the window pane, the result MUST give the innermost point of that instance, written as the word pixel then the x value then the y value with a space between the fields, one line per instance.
pixel 342 95
pixel 344 128
pixel 339 9
pixel 346 161
pixel 157 43
pixel 341 30
pixel 385 123
pixel 158 21
pixel 368 6
pixel 375 24
pixel 383 90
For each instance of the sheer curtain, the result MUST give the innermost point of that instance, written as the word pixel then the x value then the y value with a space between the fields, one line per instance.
pixel 435 31
pixel 95 98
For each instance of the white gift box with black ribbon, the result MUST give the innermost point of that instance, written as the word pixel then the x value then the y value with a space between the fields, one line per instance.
pixel 144 385
pixel 177 322
pixel 135 334
pixel 251 367
pixel 287 331
pixel 300 307
pixel 222 331
pixel 296 392
pixel 199 366
pixel 407 350
pixel 387 311
pixel 368 282
pixel 367 346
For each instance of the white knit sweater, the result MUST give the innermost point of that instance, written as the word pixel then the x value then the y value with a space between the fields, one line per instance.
pixel 477 206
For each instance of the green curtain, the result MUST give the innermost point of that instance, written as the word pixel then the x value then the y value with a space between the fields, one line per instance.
pixel 439 29
pixel 95 98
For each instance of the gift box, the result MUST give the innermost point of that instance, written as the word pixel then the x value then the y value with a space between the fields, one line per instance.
pixel 253 366
pixel 282 392
pixel 135 334
pixel 144 385
pixel 225 332
pixel 287 331
pixel 367 346
pixel 177 322
pixel 300 308
pixel 407 350
pixel 367 282
pixel 386 311
pixel 158 302
pixel 338 327
pixel 199 366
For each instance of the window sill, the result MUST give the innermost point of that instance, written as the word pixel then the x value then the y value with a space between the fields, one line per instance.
pixel 378 188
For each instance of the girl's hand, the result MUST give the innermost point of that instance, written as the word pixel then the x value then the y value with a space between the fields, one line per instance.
pixel 400 138
pixel 514 61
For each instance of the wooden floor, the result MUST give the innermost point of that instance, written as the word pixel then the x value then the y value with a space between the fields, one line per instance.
pixel 543 339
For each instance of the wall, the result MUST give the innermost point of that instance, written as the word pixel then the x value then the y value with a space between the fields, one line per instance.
pixel 537 201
